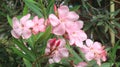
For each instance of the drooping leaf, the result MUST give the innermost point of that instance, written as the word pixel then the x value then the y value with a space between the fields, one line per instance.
pixel 9 20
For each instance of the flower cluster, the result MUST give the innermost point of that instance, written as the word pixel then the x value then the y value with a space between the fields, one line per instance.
pixel 25 27
pixel 64 23
pixel 94 51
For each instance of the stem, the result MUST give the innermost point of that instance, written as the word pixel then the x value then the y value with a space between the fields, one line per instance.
pixel 112 34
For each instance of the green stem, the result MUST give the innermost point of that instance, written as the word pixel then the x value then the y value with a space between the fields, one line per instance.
pixel 112 34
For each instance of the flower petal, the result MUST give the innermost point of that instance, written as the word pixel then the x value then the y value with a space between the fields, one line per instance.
pixel 59 30
pixel 53 20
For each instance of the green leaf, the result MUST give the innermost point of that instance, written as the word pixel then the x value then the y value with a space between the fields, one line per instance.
pixel 50 6
pixel 115 13
pixel 99 2
pixel 9 20
pixel 27 63
pixel 88 25
pixel 21 45
pixel 106 65
pixel 25 10
pixel 33 7
pixel 76 56
pixel 100 23
pixel 21 54
pixel 75 8
pixel 117 24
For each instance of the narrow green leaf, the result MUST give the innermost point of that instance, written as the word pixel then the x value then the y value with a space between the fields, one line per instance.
pixel 34 8
pixel 77 58
pixel 106 65
pixel 117 24
pixel 27 63
pixel 9 20
pixel 75 8
pixel 50 6
pixel 25 10
pixel 21 45
pixel 88 25
pixel 21 54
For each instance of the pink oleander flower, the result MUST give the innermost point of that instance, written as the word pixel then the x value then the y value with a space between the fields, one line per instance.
pixel 81 64
pixel 38 25
pixel 76 35
pixel 22 27
pixel 56 50
pixel 94 51
pixel 63 18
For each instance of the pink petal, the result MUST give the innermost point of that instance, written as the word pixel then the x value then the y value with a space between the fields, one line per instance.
pixel 14 34
pixel 53 20
pixel 16 23
pixel 62 42
pixel 89 56
pixel 26 33
pixel 51 61
pixel 28 24
pixel 72 16
pixel 62 11
pixel 98 62
pixel 63 52
pixel 35 19
pixel 79 24
pixel 56 57
pixel 89 42
pixel 81 64
pixel 24 18
pixel 59 30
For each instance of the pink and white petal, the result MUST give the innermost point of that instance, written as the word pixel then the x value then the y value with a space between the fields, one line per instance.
pixel 62 43
pixel 81 64
pixel 82 36
pixel 14 34
pixel 89 56
pixel 59 30
pixel 28 24
pixel 35 19
pixel 62 11
pixel 51 61
pixel 35 30
pixel 53 20
pixel 57 57
pixel 98 62
pixel 72 16
pixel 79 43
pixel 41 21
pixel 89 42
pixel 24 18
pixel 63 52
pixel 97 45
pixel 16 23
pixel 42 28
pixel 26 33
pixel 79 24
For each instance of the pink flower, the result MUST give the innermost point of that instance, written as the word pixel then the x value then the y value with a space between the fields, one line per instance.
pixel 56 50
pixel 63 18
pixel 81 64
pixel 38 25
pixel 94 51
pixel 22 27
pixel 76 36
